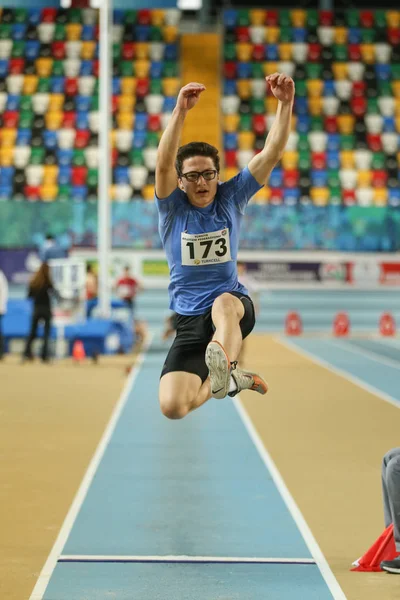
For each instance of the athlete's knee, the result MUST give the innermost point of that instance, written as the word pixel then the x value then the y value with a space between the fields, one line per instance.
pixel 173 405
pixel 227 304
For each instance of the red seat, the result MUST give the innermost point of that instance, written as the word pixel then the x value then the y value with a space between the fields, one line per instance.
pixel 276 196
pixel 354 52
pixel 242 34
pixel 367 18
pixel 358 106
pixel 230 70
pixel 96 67
pixel 49 15
pixel 144 17
pixel 379 178
pixel 393 34
pixel 230 158
pixel 96 32
pixel 142 87
pixel 71 86
pixel 272 18
pixel 374 142
pixel 258 124
pixel 16 66
pixel 11 119
pixel 69 119
pixel 82 138
pixel 326 17
pixel 318 160
pixel 128 50
pixel 114 104
pixel 331 124
pixel 58 50
pixel 32 192
pixel 114 156
pixel 314 52
pixel 79 175
pixel 258 52
pixel 349 197
pixel 290 178
pixel 154 123
pixel 359 89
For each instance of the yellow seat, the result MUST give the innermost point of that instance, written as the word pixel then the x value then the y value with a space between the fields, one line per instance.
pixel 246 140
pixel 53 119
pixel 74 32
pixel 48 192
pixel 315 106
pixel 315 87
pixel 6 156
pixel 262 196
pixel 347 160
pixel 170 34
pixel 142 68
pixel 229 173
pixel 30 84
pixel 125 120
pixel 157 17
pixel 368 53
pixel 339 70
pixel 50 174
pixel 380 196
pixel 271 105
pixel 243 87
pixel 111 192
pixel 398 125
pixel 397 107
pixel 8 137
pixel 285 51
pixel 393 18
pixel 56 102
pixel 148 192
pixel 128 86
pixel 88 49
pixel 294 123
pixel 272 34
pixel 340 35
pixel 270 67
pixel 231 123
pixel 319 196
pixel 290 159
pixel 396 89
pixel 298 17
pixel 346 124
pixel 258 16
pixel 170 86
pixel 243 51
pixel 113 138
pixel 364 178
pixel 126 103
pixel 44 66
pixel 142 50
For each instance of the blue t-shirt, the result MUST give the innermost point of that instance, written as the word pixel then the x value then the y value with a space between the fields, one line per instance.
pixel 209 267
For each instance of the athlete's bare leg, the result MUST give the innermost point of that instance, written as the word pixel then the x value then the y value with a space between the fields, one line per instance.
pixel 227 312
pixel 182 392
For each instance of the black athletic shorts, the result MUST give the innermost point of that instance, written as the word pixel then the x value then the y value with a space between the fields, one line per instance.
pixel 187 352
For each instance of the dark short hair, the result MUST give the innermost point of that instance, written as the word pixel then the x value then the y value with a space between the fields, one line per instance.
pixel 196 149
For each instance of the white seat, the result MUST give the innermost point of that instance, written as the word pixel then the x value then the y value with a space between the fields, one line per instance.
pixel 287 67
pixel 154 103
pixel 172 16
pixel 86 85
pixel 66 138
pixel 156 50
pixel 383 53
pixel 138 176
pixel 122 192
pixel 325 35
pixel 117 33
pixel 230 105
pixel 15 84
pixel 330 105
pixel 257 34
pixel 318 141
pixel 348 178
pixel 299 52
pixel 356 70
pixel 34 174
pixel 22 155
pixel 123 139
pixel 258 88
pixel 364 196
pixel 343 88
pixel 374 123
pixel 363 159
pixel 3 101
pixel 73 49
pixel 92 157
pixel 390 142
pixel 94 119
pixel 40 102
pixel 386 105
pixel 269 120
pixel 72 67
pixel 150 158
pixel 293 141
pixel 89 16
pixel 165 119
pixel 5 48
pixel 46 32
pixel 244 157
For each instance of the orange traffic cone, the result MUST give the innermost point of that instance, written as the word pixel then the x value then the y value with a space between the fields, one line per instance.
pixel 78 351
pixel 341 324
pixel 293 324
pixel 383 549
pixel 387 324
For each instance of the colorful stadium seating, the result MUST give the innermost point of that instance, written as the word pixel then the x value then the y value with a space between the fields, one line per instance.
pixel 344 146
pixel 49 118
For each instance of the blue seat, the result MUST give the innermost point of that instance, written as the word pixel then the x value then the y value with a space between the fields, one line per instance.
pixel 119 16
pixel 276 178
pixel 24 137
pixel 96 51
pixel 82 120
pixel 230 141
pixel 333 141
pixel 6 175
pixel 121 174
pixel 6 190
pixel 57 85
pixel 141 121
pixel 82 103
pixel 86 68
pixel 354 35
pixel 394 197
pixel 303 123
pixel 32 49
pixel 34 15
pixel 389 124
pixel 230 17
pixel 333 159
pixel 329 88
pixel 156 69
pixel 271 52
pixel 169 104
pixel 13 102
pixel 64 175
pixel 79 192
pixel 301 106
pixel 65 156
pixel 139 139
pixel 3 67
pixel 142 33
pixel 50 138
pixel 230 87
pixel 116 86
pixel 171 51
pixel 291 196
pixel 88 33
pixel 383 72
pixel 243 70
pixel 319 178
pixel 18 31
pixel 299 34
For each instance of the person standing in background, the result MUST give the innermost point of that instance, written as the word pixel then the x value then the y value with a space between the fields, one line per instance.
pixel 127 288
pixel 3 308
pixel 51 249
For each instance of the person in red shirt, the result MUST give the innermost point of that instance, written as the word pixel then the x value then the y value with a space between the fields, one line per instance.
pixel 127 288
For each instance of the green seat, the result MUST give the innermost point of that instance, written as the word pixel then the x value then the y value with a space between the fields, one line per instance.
pixel 335 195
pixel 257 70
pixel 284 18
pixel 312 18
pixel 333 178
pixel 58 68
pixel 347 142
pixel 116 51
pixel 155 34
pixel 25 103
pixel 18 49
pixel 64 192
pixel 378 161
pixel 170 69
pixel 373 106
pixel 301 88
pixel 285 35
pixel 352 18
pixel 94 102
pixel 384 88
pixel 130 17
pixel 229 51
pixel 340 52
pixel 126 68
pixel 313 71
pixel 5 31
pixel 25 119
pixel 156 86
pixel 37 155
pixel 243 18
pixel 368 36
pixel 92 177
pixel 303 144
pixel 245 123
pixel 257 106
pixel 60 33
pixel 78 158
pixel 380 18
pixel 152 139
pixel 395 70
pixel 304 160
pixel 136 157
pixel 74 15
pixel 43 85
pixel 20 15
pixel 96 87
pixel 317 123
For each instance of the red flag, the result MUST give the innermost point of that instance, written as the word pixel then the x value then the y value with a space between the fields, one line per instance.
pixel 383 549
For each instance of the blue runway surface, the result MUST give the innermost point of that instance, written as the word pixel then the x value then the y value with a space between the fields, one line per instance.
pixel 169 493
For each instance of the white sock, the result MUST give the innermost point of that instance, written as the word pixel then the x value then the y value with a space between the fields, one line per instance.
pixel 232 385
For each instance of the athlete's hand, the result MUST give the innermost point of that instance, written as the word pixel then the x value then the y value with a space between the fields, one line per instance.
pixel 281 86
pixel 189 95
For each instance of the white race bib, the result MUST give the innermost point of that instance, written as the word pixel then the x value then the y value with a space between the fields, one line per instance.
pixel 205 248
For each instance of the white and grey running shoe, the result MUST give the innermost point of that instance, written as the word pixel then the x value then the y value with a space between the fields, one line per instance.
pixel 219 368
pixel 245 380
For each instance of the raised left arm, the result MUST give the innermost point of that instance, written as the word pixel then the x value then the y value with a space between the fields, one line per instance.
pixel 262 164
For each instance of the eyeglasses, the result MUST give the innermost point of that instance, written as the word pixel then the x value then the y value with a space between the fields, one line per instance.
pixel 194 176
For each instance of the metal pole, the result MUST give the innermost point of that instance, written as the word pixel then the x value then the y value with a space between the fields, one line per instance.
pixel 104 204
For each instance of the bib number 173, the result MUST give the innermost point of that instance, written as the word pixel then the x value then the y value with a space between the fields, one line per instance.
pixel 205 248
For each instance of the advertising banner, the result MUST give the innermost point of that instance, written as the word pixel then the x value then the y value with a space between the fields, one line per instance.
pixel 19 265
pixel 264 272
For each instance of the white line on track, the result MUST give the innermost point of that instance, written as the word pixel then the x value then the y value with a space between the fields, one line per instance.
pixel 319 558
pixel 50 565
pixel 371 354
pixel 183 559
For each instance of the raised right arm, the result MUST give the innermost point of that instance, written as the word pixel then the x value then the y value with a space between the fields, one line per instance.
pixel 168 147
